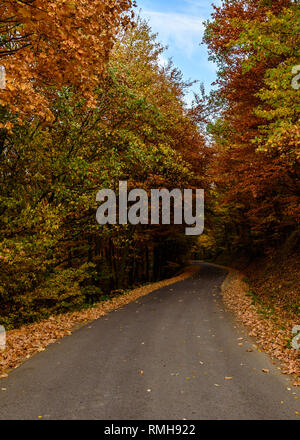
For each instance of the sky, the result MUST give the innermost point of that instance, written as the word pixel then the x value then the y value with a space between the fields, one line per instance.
pixel 179 24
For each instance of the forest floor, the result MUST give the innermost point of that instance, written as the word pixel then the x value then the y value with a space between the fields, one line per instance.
pixel 266 298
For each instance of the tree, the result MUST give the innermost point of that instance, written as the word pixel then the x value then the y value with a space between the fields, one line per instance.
pixel 46 44
pixel 255 168
pixel 51 246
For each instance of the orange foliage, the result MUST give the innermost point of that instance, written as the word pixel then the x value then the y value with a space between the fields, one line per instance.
pixel 57 43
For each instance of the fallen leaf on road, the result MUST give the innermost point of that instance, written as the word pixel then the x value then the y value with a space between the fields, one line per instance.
pixel 265 370
pixel 228 378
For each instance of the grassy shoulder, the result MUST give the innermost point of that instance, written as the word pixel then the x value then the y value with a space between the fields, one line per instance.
pixel 266 299
pixel 26 341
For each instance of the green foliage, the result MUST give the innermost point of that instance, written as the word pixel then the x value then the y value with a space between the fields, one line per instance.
pixel 54 257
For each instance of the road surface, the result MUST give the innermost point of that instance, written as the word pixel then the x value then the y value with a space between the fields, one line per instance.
pixel 163 357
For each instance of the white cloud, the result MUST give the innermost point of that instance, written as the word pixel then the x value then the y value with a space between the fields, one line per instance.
pixel 180 30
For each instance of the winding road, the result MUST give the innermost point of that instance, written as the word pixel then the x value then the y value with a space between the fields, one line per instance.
pixel 175 354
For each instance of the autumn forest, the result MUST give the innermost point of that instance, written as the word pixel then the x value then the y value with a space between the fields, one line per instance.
pixel 87 103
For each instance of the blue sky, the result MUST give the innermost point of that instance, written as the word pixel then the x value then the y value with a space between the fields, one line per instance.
pixel 179 24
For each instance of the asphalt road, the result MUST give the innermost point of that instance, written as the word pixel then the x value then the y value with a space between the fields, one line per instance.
pixel 163 357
